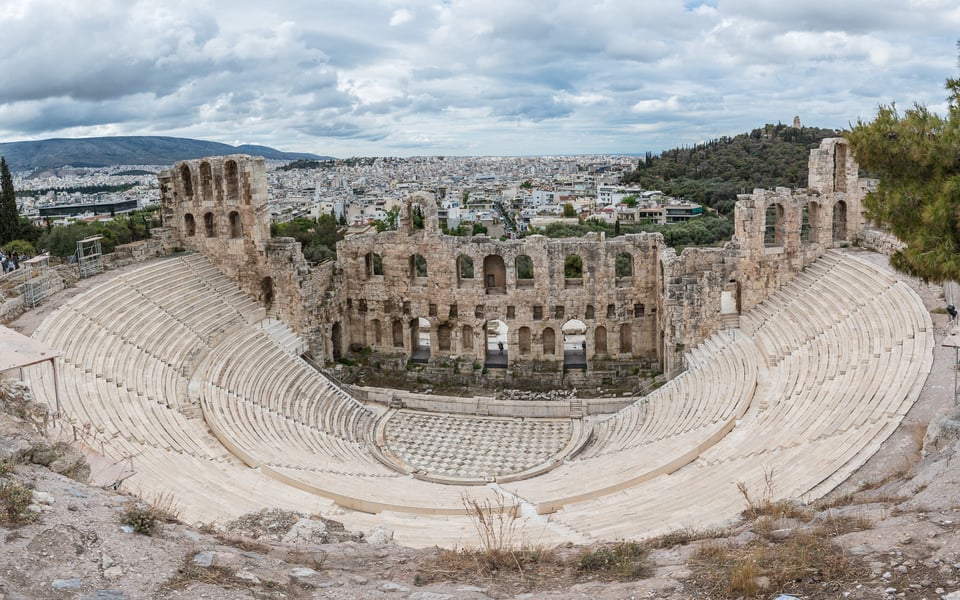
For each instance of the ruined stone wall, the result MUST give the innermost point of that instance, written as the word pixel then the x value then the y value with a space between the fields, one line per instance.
pixel 393 279
pixel 219 207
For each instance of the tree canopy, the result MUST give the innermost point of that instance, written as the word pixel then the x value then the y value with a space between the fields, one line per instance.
pixel 916 156
pixel 318 238
pixel 9 216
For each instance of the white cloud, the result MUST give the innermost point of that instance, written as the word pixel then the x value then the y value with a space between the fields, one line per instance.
pixel 400 16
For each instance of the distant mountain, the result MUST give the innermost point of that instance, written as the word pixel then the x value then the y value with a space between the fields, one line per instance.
pixel 126 150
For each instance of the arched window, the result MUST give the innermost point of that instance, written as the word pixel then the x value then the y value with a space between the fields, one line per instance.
pixel 210 225
pixel 377 334
pixel 624 265
pixel 443 337
pixel 813 217
pixel 420 339
pixel 549 341
pixel 236 231
pixel 600 340
pixel 572 271
pixel 466 338
pixel 524 271
pixel 464 268
pixel 524 340
pixel 397 333
pixel 187 182
pixel 189 225
pixel 232 180
pixel 589 312
pixel 497 336
pixel 494 274
pixel 206 181
pixel 418 266
pixel 840 221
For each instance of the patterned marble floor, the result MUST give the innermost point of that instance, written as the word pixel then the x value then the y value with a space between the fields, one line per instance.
pixel 474 447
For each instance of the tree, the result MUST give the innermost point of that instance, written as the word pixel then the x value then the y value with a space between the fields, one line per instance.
pixel 569 210
pixel 390 222
pixel 9 216
pixel 914 155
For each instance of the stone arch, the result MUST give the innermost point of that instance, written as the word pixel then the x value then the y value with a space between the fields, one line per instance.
pixel 206 181
pixel 813 222
pixel 623 265
pixel 574 344
pixel 466 338
pixel 210 225
pixel 494 274
pixel 231 178
pixel 589 312
pixel 419 212
pixel 397 330
pixel 524 265
pixel 266 291
pixel 626 339
pixel 186 180
pixel 549 342
pixel 840 221
pixel 443 337
pixel 524 340
pixel 600 340
pixel 572 271
pixel 418 266
pixel 377 333
pixel 496 334
pixel 189 225
pixel 236 229
pixel 336 341
pixel 420 339
pixel 464 269
pixel 773 222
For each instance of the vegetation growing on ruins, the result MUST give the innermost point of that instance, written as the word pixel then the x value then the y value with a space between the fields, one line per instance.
pixel 122 229
pixel 318 237
pixel 914 154
pixel 714 172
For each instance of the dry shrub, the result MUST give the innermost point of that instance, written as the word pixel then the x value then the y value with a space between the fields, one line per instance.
pixel 765 505
pixel 682 537
pixel 803 561
pixel 496 521
pixel 623 560
pixel 147 516
pixel 14 500
pixel 836 525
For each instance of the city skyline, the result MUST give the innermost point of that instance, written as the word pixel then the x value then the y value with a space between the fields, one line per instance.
pixel 464 78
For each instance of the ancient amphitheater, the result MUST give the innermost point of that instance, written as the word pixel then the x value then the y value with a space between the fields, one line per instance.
pixel 785 354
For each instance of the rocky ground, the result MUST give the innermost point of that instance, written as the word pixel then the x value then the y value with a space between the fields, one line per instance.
pixel 891 531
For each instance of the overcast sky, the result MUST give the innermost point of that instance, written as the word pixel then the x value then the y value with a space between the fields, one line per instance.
pixel 505 77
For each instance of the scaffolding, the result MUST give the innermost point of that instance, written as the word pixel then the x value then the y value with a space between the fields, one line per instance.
pixel 89 256
pixel 35 280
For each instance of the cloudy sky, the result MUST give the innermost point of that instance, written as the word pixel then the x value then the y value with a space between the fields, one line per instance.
pixel 466 77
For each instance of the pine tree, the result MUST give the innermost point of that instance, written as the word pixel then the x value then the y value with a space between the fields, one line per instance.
pixel 9 216
pixel 914 155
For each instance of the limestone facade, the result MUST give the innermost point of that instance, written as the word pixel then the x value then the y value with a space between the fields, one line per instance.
pixel 415 293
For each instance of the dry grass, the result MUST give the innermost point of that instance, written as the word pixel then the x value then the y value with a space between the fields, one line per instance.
pixel 766 506
pixel 800 564
pixel 623 561
pixel 147 516
pixel 15 497
pixel 496 521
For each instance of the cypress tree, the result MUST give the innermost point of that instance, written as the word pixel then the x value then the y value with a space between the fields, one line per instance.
pixel 9 216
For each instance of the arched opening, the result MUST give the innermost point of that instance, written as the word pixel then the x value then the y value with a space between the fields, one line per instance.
pixel 372 264
pixel 189 225
pixel 840 221
pixel 574 344
pixel 209 225
pixel 377 334
pixel 443 337
pixel 496 344
pixel 466 338
pixel 549 342
pixel 600 340
pixel 523 340
pixel 397 333
pixel 266 291
pixel 206 181
pixel 232 179
pixel 624 268
pixel 464 270
pixel 335 342
pixel 417 215
pixel 236 230
pixel 773 225
pixel 419 340
pixel 494 274
pixel 418 266
pixel 589 312
pixel 524 271
pixel 187 180
pixel 626 339
pixel 572 271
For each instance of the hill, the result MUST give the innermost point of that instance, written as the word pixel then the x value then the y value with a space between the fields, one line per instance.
pixel 713 173
pixel 125 150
